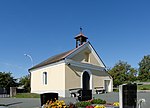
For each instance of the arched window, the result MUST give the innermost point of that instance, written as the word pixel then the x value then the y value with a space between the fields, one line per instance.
pixel 45 78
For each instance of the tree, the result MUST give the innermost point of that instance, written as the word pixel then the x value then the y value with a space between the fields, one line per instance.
pixel 144 69
pixel 25 81
pixel 122 73
pixel 7 80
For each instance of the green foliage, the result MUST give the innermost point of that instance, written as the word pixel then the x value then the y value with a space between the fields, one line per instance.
pixel 88 103
pixel 7 80
pixel 98 101
pixel 144 69
pixel 116 90
pixel 27 95
pixel 122 73
pixel 25 81
pixel 83 104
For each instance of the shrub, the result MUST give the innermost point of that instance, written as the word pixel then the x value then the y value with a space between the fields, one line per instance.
pixel 83 104
pixel 98 101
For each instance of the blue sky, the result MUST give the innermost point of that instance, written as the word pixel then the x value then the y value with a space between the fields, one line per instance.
pixel 118 30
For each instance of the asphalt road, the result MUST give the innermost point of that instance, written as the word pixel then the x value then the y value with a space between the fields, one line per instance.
pixel 20 102
pixel 35 102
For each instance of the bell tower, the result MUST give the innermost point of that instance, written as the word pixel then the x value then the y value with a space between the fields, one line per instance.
pixel 80 38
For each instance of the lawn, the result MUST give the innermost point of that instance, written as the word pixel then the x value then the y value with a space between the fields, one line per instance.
pixel 139 87
pixel 27 95
pixel 143 87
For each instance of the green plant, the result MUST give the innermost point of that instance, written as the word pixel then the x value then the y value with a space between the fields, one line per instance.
pixel 83 104
pixel 98 101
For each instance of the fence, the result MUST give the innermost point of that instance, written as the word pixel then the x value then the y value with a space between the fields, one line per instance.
pixel 4 93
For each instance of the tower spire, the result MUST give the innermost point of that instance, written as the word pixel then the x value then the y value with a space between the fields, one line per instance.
pixel 81 30
pixel 80 38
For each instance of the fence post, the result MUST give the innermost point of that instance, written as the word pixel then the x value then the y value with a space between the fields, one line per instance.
pixel 12 91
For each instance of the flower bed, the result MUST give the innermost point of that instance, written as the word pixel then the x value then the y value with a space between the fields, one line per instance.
pixel 55 104
pixel 94 103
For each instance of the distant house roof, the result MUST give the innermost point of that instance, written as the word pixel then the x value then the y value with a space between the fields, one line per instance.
pixel 55 58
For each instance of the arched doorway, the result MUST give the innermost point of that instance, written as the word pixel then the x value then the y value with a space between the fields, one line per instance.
pixel 86 81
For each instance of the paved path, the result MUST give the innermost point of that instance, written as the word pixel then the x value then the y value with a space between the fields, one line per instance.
pixel 35 102
pixel 20 102
pixel 114 97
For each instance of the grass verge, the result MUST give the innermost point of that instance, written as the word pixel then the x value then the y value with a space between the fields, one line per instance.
pixel 139 87
pixel 27 95
pixel 143 87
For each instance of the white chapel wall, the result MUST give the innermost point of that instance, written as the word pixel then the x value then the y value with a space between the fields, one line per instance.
pixel 55 79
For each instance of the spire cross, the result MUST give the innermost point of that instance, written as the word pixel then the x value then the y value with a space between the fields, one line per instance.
pixel 81 30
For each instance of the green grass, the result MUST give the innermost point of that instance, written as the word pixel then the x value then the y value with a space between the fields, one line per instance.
pixel 143 87
pixel 139 87
pixel 27 95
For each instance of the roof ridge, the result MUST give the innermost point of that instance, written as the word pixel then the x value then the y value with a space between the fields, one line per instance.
pixel 50 60
pixel 75 49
